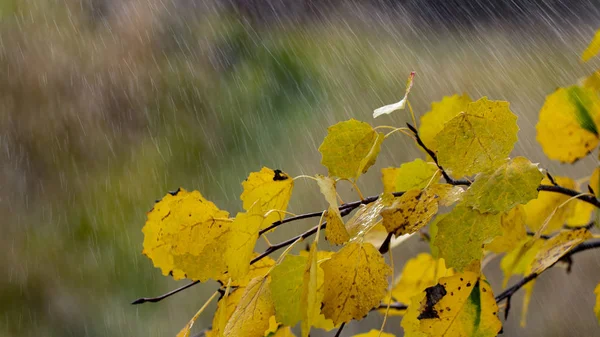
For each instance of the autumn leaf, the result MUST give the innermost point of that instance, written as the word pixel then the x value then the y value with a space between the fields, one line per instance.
pixel 313 279
pixel 415 174
pixel 441 112
pixel 513 183
pixel 513 231
pixel 335 232
pixel 462 234
pixel 355 282
pixel 399 105
pixel 459 305
pixel 350 148
pixel 251 316
pixel 447 194
pixel 283 331
pixel 410 212
pixel 367 216
pixel 420 272
pixel 185 332
pixel 556 247
pixel 183 234
pixel 240 242
pixel 287 280
pixel 265 191
pixel 378 234
pixel 433 230
pixel 567 126
pixel 544 209
pixel 479 139
pixel 593 48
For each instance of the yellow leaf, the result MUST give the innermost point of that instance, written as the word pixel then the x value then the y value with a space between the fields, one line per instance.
pixel 441 113
pixel 593 49
pixel 183 234
pixel 410 212
pixel 273 326
pixel 286 289
pixel 597 306
pixel 265 191
pixel 462 233
pixel 581 215
pixel 355 282
pixel 240 243
pixel 415 174
pixel 513 231
pixel 335 231
pixel 567 125
pixel 433 230
pixel 227 304
pixel 479 139
pixel 375 333
pixel 419 273
pixel 556 247
pixel 350 148
pixel 592 81
pixel 514 182
pixel 459 305
pixel 595 181
pixel 251 316
pixel 377 235
pixel 366 217
pixel 539 210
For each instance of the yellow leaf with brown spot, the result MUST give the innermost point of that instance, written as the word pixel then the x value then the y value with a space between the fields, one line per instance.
pixel 477 140
pixel 459 305
pixel 593 48
pixel 355 282
pixel 251 316
pixel 350 148
pixel 183 236
pixel 567 125
pixel 557 246
pixel 539 211
pixel 410 212
pixel 441 112
pixel 265 191
pixel 513 231
pixel 419 273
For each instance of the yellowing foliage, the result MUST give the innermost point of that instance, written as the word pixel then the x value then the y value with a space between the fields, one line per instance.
pixel 182 232
pixel 553 249
pixel 597 306
pixel 593 48
pixel 336 232
pixel 251 316
pixel 410 212
pixel 416 174
pixel 350 148
pixel 355 282
pixel 545 211
pixel 513 231
pixel 459 305
pixel 462 234
pixel 375 333
pixel 514 182
pixel 265 191
pixel 441 112
pixel 567 127
pixel 367 216
pixel 479 139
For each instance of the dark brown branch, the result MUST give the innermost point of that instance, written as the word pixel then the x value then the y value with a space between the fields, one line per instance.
pixel 339 331
pixel 569 192
pixel 433 156
pixel 162 297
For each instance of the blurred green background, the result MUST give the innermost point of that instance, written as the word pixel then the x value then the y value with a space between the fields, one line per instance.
pixel 105 105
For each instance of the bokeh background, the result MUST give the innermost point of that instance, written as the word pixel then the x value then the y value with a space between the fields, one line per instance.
pixel 105 105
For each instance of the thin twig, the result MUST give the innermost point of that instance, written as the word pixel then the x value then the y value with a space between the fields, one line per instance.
pixel 339 332
pixel 572 193
pixel 162 297
pixel 433 156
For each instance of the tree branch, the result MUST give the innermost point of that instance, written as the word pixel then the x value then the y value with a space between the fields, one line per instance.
pixel 569 192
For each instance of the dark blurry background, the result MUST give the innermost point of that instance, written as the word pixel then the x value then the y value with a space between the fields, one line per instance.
pixel 105 105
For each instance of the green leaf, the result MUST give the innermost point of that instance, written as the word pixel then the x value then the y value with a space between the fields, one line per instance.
pixel 287 279
pixel 462 233
pixel 350 148
pixel 513 183
pixel 479 139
